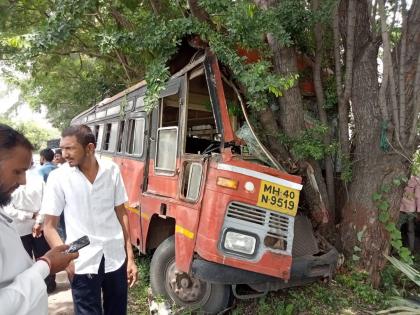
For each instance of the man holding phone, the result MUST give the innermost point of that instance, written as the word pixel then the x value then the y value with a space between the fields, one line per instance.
pixel 92 195
pixel 22 287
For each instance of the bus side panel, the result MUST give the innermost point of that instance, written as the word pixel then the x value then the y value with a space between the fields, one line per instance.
pixel 132 172
pixel 150 207
pixel 163 185
pixel 185 234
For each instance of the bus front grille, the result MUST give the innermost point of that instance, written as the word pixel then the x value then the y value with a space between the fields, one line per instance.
pixel 274 229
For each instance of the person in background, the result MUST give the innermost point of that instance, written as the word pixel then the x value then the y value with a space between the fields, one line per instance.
pixel 58 158
pixel 92 195
pixel 22 289
pixel 46 158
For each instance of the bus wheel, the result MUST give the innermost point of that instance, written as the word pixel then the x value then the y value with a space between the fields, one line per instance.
pixel 186 291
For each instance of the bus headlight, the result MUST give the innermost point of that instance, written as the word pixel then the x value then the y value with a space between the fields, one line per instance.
pixel 239 243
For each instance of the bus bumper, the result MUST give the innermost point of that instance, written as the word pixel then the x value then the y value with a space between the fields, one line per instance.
pixel 303 269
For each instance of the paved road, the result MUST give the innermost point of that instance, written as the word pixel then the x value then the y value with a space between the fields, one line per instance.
pixel 60 302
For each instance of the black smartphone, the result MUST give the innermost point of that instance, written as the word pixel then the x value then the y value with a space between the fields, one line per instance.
pixel 78 244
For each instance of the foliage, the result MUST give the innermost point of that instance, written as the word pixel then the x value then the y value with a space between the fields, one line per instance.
pixel 138 295
pixel 78 52
pixel 404 306
pixel 309 144
pixel 385 218
pixel 350 293
pixel 35 133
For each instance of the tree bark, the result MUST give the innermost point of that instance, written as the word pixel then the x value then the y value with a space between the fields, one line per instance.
pixel 372 167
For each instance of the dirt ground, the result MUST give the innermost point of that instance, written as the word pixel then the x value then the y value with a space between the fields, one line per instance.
pixel 60 302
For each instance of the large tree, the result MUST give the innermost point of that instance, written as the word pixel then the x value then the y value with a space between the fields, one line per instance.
pixel 77 52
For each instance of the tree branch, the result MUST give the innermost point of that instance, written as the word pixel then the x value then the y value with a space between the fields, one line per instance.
pixel 401 78
pixel 329 168
pixel 123 62
pixel 372 15
pixel 156 6
pixel 388 70
pixel 416 105
pixel 343 96
pixel 199 13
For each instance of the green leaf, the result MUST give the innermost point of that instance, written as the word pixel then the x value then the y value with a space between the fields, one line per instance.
pixel 383 205
pixel 275 91
pixel 396 244
pixel 383 217
pixel 385 188
pixel 390 227
pixel 251 10
pixel 376 196
pixel 357 249
pixel 289 309
pixel 355 257
pixel 396 182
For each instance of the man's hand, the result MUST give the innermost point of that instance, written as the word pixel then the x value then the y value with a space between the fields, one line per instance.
pixel 37 230
pixel 131 272
pixel 58 259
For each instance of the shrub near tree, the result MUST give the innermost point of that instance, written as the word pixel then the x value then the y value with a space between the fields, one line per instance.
pixel 75 53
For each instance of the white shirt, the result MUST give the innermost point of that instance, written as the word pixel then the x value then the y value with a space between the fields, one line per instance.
pixel 89 210
pixel 22 286
pixel 26 200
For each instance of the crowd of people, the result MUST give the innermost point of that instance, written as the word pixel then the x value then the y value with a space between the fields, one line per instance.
pixel 72 194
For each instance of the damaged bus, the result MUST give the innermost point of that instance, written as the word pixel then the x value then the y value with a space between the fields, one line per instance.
pixel 205 196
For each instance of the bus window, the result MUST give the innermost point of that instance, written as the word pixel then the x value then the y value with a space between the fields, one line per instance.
pixel 167 134
pixel 99 137
pixel 120 136
pixel 135 136
pixel 110 136
pixel 166 151
pixel 201 128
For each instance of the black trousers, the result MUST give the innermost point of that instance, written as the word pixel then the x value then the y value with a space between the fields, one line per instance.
pixel 37 247
pixel 87 288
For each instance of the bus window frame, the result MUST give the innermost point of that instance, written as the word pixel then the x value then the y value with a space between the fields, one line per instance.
pixel 160 170
pixel 105 123
pixel 99 124
pixel 123 137
pixel 126 136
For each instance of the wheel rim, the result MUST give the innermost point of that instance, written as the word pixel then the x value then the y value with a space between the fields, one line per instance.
pixel 185 289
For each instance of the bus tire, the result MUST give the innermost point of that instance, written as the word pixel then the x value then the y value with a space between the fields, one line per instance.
pixel 184 290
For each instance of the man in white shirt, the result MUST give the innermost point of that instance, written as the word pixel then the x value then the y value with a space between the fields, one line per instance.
pixel 22 289
pixel 92 195
pixel 24 210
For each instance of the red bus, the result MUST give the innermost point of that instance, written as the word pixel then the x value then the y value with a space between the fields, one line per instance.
pixel 204 194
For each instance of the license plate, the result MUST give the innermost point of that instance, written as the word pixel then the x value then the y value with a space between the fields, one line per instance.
pixel 278 198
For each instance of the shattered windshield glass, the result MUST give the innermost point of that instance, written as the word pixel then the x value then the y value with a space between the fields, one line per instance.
pixel 252 149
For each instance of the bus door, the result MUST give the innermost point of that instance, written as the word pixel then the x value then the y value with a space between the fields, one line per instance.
pixel 164 162
pixel 130 156
pixel 199 137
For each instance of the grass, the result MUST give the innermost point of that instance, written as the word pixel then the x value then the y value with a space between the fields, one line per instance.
pixel 137 296
pixel 349 293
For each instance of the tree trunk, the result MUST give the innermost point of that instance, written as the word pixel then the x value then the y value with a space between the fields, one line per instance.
pixel 372 167
pixel 291 121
